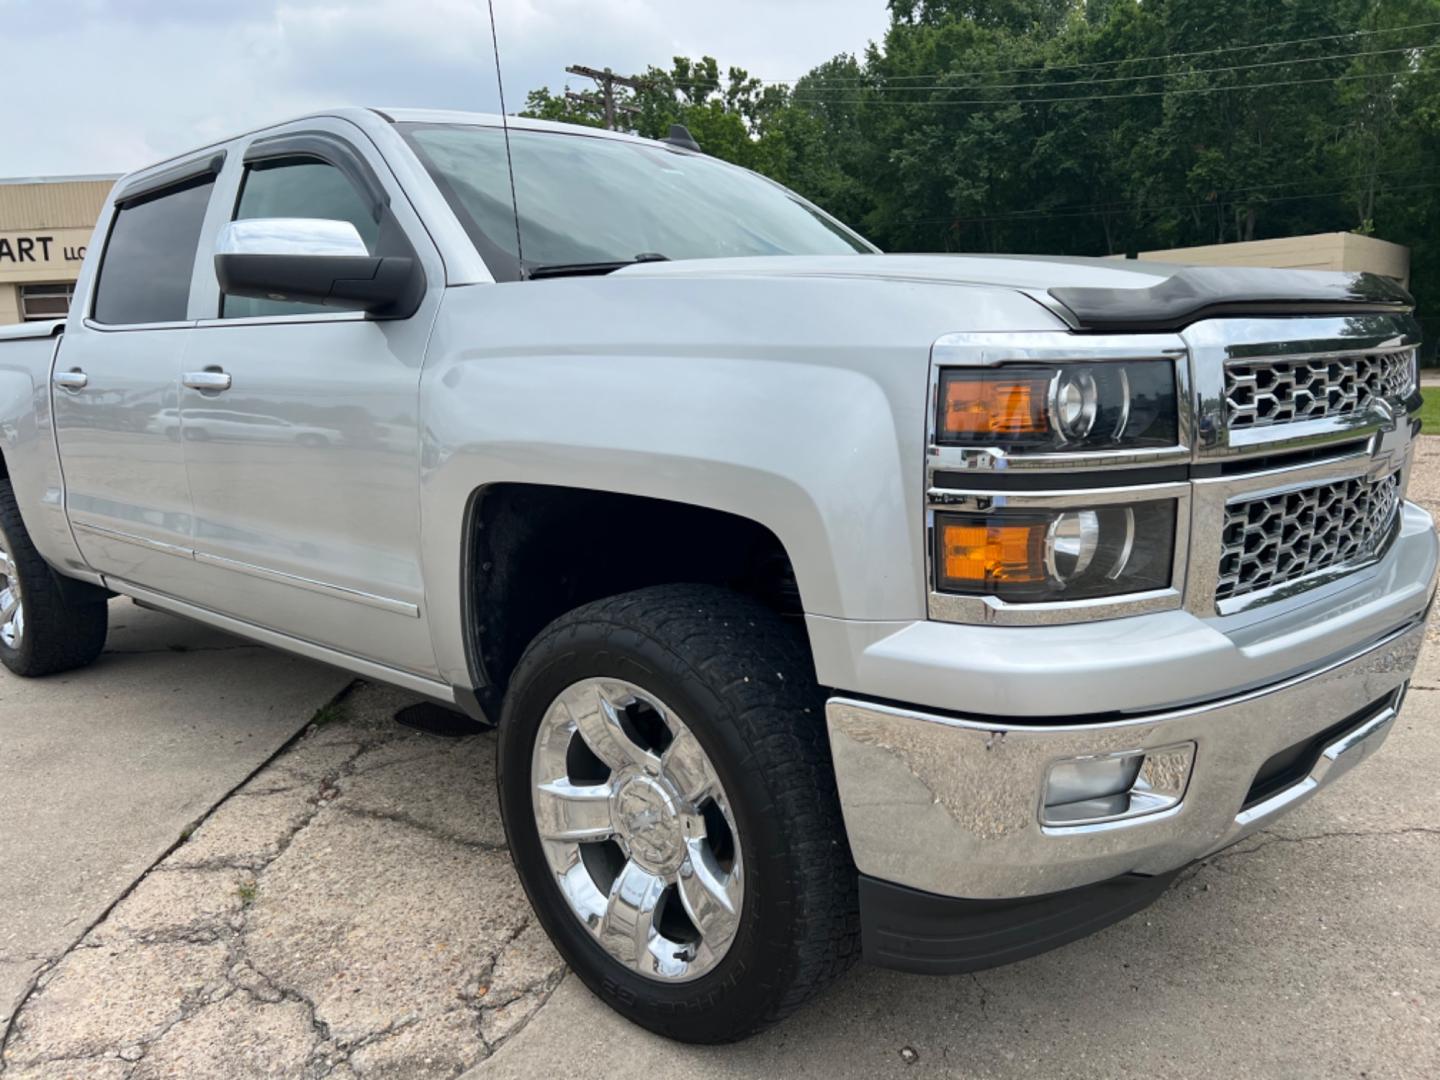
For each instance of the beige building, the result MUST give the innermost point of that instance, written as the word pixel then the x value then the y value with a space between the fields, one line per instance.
pixel 45 225
pixel 1322 251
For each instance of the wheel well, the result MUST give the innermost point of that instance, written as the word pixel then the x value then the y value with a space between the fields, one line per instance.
pixel 534 552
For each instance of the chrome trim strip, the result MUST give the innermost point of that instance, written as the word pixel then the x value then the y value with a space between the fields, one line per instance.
pixel 338 592
pixel 131 538
pixel 438 691
pixel 129 328
pixel 1337 758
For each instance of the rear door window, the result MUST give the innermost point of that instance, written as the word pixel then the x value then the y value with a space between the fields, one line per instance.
pixel 150 256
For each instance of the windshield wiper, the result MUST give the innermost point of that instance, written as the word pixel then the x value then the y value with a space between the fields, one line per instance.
pixel 546 270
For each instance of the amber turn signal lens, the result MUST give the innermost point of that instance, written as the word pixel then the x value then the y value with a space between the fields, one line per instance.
pixel 1005 408
pixel 982 553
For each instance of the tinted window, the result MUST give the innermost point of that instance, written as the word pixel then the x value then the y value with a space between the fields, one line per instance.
pixel 583 199
pixel 297 189
pixel 145 274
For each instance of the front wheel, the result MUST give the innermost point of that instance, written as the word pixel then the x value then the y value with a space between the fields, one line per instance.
pixel 40 634
pixel 671 809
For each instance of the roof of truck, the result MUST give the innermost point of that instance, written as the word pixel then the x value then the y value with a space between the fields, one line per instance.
pixel 525 123
pixel 363 114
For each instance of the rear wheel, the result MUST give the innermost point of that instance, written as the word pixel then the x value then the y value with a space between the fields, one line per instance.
pixel 40 634
pixel 671 809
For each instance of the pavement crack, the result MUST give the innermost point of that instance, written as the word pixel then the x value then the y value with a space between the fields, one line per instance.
pixel 398 818
pixel 1271 839
pixel 32 987
pixel 984 995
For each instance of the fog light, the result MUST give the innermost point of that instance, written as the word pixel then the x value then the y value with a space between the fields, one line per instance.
pixel 1116 787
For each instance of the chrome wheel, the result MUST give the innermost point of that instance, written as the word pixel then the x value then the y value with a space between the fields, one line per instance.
pixel 637 829
pixel 12 606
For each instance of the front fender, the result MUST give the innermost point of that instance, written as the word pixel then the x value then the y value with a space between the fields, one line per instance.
pixel 798 405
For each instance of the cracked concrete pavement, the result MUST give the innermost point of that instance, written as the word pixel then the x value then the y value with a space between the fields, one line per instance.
pixel 101 769
pixel 350 911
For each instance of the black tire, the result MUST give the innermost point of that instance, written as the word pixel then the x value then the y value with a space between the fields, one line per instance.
pixel 744 682
pixel 57 636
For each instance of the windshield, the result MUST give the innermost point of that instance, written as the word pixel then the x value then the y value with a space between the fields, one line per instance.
pixel 585 200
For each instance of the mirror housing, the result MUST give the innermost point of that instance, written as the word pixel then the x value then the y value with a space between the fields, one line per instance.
pixel 315 261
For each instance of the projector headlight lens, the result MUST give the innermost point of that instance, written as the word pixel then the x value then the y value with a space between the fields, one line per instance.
pixel 1048 407
pixel 1031 556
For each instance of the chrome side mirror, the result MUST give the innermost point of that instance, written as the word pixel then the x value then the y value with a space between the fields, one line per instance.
pixel 291 236
pixel 315 261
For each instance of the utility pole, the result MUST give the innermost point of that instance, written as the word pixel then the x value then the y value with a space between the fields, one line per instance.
pixel 608 80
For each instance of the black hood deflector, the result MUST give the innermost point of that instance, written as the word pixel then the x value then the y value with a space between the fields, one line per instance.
pixel 1208 292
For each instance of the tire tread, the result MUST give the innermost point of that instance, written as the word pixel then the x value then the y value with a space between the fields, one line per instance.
pixel 58 636
pixel 761 669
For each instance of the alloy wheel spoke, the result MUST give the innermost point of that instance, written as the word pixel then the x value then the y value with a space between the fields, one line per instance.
pixel 711 897
pixel 598 720
pixel 8 603
pixel 628 925
pixel 687 767
pixel 573 813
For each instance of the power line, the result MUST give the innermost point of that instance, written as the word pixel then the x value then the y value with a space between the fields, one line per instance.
pixel 1236 194
pixel 1177 73
pixel 801 98
pixel 1097 209
pixel 1043 68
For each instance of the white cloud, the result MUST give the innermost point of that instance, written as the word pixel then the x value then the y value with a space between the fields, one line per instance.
pixel 110 85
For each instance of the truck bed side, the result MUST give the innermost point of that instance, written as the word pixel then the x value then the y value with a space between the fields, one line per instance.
pixel 28 457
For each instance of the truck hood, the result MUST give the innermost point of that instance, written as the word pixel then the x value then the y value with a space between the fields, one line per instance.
pixel 1007 271
pixel 1092 295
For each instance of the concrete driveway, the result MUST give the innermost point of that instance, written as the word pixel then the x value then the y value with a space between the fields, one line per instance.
pixel 101 770
pixel 350 911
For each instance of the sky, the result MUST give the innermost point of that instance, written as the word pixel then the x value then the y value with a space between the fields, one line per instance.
pixel 106 86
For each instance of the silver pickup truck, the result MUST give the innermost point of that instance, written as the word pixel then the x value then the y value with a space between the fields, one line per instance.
pixel 830 604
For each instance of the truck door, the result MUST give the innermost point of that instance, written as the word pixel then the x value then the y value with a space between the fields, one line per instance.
pixel 300 422
pixel 117 381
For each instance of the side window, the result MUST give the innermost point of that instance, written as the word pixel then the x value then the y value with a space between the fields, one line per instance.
pixel 297 188
pixel 150 256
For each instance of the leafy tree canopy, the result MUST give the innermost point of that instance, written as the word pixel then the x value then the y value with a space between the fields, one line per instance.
pixel 1089 127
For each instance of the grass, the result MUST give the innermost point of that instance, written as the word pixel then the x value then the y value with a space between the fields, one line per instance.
pixel 1430 410
pixel 328 714
pixel 246 891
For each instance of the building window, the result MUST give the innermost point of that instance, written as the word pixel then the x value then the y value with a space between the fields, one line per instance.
pixel 46 301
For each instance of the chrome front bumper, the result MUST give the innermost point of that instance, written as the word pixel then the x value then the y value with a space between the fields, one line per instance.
pixel 952 805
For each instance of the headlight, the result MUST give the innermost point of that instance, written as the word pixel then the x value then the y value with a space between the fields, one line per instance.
pixel 1103 406
pixel 1047 555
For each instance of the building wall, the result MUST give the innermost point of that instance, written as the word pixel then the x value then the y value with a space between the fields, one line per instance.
pixel 45 227
pixel 1322 251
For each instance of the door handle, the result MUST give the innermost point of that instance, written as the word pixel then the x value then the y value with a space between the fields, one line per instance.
pixel 74 379
pixel 212 380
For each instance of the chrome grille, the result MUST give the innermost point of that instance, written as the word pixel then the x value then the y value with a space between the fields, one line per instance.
pixel 1279 538
pixel 1287 389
